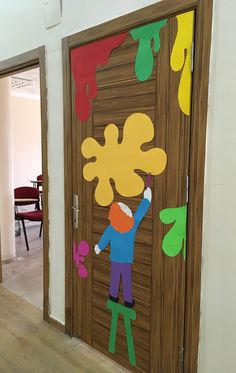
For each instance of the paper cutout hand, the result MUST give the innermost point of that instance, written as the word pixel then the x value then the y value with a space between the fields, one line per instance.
pixel 175 240
pixel 148 194
pixel 96 249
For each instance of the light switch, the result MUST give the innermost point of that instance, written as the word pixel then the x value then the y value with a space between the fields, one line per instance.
pixel 52 12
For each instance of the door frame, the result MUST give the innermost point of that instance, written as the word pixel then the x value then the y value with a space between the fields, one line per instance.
pixel 203 26
pixel 29 60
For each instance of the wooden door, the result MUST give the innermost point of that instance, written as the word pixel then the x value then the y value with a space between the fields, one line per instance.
pixel 144 74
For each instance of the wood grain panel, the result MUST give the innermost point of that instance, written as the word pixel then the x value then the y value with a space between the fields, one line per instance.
pixel 203 31
pixel 140 306
pixel 68 193
pixel 127 105
pixel 116 90
pixel 101 313
pixel 123 55
pixel 132 202
pixel 170 191
pixel 113 97
pixel 145 226
pixel 142 236
pixel 160 308
pixel 117 118
pixel 141 271
pixel 141 336
pixel 121 353
pixel 102 275
pixel 44 150
pixel 143 253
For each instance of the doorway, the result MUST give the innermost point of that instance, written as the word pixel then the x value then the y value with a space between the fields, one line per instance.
pixel 137 87
pixel 27 75
pixel 23 275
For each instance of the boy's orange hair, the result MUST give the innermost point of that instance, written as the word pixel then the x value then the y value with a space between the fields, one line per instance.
pixel 119 220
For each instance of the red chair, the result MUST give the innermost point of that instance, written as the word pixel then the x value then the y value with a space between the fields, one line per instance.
pixel 27 196
pixel 39 186
pixel 40 182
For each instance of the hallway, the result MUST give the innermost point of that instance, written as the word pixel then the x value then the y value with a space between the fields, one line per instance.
pixel 29 344
pixel 23 276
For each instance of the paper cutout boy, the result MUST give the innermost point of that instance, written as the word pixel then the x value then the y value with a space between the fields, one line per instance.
pixel 120 235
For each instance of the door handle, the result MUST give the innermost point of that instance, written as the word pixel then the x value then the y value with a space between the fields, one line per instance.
pixel 75 210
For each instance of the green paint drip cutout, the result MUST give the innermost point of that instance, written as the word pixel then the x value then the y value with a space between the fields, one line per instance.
pixel 175 240
pixel 128 315
pixel 144 57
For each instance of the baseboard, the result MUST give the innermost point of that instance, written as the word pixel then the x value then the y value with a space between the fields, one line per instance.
pixel 9 260
pixel 56 324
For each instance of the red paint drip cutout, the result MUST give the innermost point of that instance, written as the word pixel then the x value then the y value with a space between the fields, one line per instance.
pixel 84 61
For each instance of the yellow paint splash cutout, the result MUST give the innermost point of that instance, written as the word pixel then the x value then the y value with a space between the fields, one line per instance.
pixel 119 160
pixel 181 58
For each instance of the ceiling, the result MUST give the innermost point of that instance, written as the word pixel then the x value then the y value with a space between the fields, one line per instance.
pixel 26 84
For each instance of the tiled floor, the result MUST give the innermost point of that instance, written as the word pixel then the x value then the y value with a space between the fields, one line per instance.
pixel 24 275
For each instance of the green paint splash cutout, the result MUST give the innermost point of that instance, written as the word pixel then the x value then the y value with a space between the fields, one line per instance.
pixel 175 240
pixel 144 57
pixel 128 315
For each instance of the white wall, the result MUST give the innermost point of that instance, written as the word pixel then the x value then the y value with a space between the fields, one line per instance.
pixel 26 136
pixel 218 320
pixel 7 219
pixel 219 275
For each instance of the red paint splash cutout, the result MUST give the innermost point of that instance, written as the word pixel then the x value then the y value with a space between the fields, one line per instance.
pixel 84 61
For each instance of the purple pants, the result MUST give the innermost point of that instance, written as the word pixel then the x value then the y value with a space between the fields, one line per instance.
pixel 121 270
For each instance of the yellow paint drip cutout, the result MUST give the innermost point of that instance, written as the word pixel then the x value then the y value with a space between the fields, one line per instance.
pixel 119 160
pixel 181 58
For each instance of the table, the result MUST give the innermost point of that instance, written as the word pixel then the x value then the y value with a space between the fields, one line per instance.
pixel 36 182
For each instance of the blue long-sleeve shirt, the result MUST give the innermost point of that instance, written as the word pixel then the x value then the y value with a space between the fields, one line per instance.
pixel 122 244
